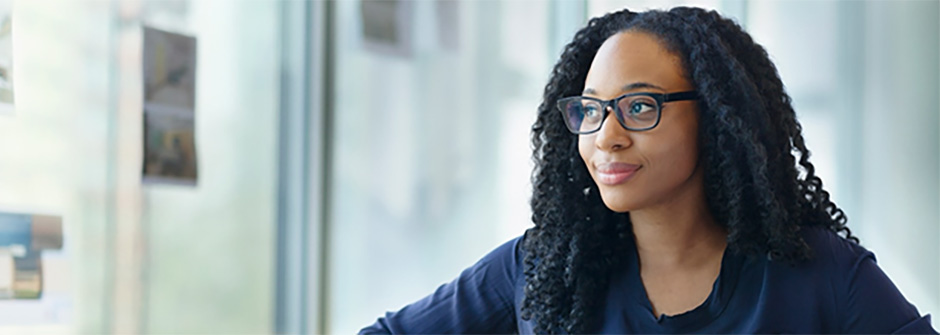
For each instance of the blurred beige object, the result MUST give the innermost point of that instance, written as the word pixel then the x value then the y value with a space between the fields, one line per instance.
pixel 47 232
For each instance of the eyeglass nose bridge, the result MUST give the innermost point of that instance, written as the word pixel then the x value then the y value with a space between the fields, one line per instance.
pixel 611 107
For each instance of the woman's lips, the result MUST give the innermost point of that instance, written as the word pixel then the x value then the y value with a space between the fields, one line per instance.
pixel 615 173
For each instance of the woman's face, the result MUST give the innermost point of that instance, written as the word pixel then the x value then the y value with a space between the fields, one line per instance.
pixel 641 169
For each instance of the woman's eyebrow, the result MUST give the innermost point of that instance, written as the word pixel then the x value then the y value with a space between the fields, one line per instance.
pixel 633 86
pixel 627 87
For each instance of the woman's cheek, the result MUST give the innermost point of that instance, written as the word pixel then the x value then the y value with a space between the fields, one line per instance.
pixel 586 149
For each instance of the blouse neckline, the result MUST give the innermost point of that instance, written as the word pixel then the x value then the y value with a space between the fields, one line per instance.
pixel 698 317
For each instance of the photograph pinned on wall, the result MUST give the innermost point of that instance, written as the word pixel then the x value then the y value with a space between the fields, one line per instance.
pixel 169 65
pixel 386 26
pixel 6 57
pixel 35 272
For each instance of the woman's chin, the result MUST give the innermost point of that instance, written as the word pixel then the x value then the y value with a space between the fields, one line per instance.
pixel 617 203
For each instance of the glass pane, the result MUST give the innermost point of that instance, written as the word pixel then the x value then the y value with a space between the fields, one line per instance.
pixel 54 151
pixel 213 243
pixel 431 146
pixel 144 258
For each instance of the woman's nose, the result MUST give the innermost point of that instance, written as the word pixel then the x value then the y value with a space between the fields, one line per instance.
pixel 612 136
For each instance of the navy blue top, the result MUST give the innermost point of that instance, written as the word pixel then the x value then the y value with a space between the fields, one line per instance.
pixel 840 290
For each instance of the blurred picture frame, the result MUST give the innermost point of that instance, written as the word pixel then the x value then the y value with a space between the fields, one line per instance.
pixel 169 82
pixel 386 27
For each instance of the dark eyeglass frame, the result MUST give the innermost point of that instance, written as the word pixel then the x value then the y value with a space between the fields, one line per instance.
pixel 608 105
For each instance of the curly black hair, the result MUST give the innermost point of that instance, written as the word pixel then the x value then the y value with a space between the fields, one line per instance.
pixel 759 183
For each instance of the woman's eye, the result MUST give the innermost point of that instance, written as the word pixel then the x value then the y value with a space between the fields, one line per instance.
pixel 639 107
pixel 591 111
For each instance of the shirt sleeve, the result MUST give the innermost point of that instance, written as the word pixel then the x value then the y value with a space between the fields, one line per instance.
pixel 874 305
pixel 479 301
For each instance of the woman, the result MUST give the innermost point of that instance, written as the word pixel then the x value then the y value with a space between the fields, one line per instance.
pixel 672 193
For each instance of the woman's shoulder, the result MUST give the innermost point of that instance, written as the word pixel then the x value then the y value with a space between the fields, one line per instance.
pixel 831 249
pixel 835 255
pixel 867 300
pixel 506 259
pixel 832 264
pixel 509 250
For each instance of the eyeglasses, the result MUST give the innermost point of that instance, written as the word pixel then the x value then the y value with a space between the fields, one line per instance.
pixel 635 111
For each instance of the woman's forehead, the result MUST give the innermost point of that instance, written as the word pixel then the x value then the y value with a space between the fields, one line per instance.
pixel 631 57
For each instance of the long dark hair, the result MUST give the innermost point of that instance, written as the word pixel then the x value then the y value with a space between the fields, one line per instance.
pixel 759 182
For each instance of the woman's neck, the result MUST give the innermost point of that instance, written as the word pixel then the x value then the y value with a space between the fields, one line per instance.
pixel 679 232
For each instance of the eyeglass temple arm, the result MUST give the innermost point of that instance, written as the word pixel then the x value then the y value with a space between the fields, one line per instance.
pixel 687 95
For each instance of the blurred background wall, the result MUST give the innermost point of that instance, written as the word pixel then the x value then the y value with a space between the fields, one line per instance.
pixel 355 155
